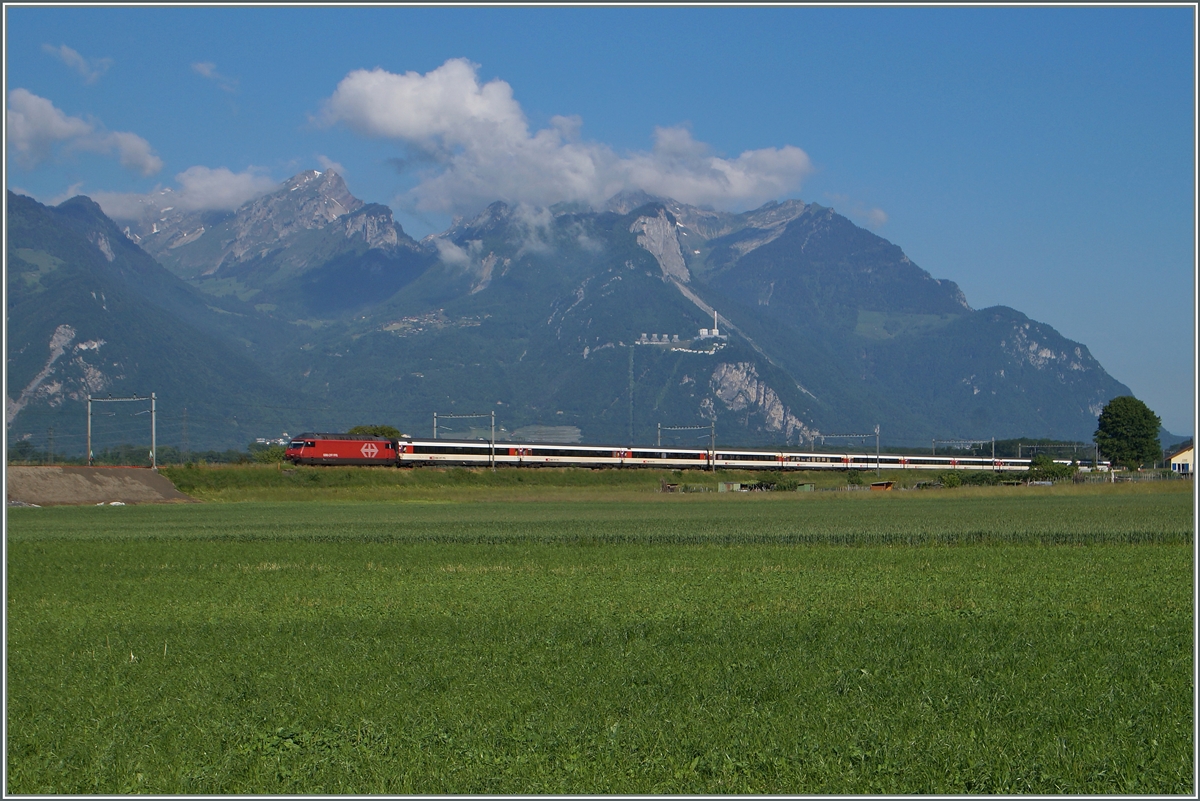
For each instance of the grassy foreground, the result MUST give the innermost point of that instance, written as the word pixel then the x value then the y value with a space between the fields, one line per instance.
pixel 1014 640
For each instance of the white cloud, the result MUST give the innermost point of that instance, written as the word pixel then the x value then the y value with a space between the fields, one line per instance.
pixel 199 189
pixel 453 254
pixel 329 164
pixel 444 107
pixel 89 69
pixel 478 147
pixel 209 70
pixel 682 168
pixel 134 151
pixel 220 188
pixel 533 223
pixel 35 126
pixel 125 207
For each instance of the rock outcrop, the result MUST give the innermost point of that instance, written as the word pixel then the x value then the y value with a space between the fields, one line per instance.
pixel 374 224
pixel 739 388
pixel 658 236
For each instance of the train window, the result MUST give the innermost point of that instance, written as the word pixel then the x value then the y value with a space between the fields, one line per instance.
pixel 442 449
pixel 748 457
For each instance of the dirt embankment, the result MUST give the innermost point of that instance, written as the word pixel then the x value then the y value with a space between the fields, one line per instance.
pixel 55 486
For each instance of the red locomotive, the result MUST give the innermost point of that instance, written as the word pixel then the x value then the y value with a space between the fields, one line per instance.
pixel 341 449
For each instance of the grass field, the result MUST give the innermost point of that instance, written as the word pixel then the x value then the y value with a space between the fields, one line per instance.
pixel 605 639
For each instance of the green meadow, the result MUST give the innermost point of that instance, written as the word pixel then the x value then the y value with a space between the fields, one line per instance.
pixel 565 634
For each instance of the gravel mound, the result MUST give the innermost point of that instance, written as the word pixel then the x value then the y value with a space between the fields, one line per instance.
pixel 57 486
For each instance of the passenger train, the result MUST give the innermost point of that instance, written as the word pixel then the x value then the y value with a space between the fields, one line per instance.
pixel 350 449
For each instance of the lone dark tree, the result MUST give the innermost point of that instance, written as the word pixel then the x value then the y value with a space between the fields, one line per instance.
pixel 1128 432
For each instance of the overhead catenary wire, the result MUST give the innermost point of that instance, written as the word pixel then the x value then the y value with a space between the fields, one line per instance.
pixel 134 399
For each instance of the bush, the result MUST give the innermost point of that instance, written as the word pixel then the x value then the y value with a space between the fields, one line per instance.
pixel 1043 468
pixel 854 477
pixel 376 431
pixel 275 453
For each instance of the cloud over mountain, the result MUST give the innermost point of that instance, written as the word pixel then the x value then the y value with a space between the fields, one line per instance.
pixel 36 127
pixel 200 189
pixel 473 144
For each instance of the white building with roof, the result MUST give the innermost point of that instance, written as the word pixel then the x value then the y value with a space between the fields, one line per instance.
pixel 1183 460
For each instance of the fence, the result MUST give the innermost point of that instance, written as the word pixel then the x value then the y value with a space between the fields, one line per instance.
pixel 1117 477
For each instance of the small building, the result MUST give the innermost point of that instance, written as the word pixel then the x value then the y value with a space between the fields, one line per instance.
pixel 1182 459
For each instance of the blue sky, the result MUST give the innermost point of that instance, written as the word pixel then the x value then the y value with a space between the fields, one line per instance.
pixel 1042 158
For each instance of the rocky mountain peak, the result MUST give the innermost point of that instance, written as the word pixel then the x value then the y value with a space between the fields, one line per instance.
pixel 326 183
pixel 306 201
pixel 312 187
pixel 311 199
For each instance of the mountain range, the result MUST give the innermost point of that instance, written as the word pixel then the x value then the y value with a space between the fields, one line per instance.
pixel 308 309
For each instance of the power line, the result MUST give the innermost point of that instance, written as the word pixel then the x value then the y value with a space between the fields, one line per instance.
pixel 824 437
pixel 135 398
pixel 965 443
pixel 491 414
